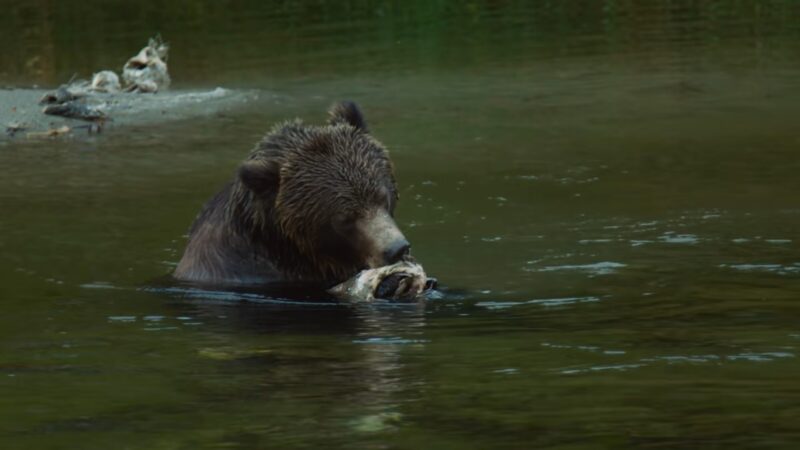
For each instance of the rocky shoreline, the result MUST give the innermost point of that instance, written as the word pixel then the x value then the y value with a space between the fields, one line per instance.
pixel 22 118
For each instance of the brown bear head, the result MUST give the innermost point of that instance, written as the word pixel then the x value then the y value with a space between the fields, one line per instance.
pixel 324 198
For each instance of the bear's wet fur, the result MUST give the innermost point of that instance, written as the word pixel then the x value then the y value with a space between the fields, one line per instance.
pixel 311 204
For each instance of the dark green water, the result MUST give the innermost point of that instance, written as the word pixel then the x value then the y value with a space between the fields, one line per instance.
pixel 612 187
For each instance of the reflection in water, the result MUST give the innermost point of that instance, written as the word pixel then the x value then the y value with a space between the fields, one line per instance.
pixel 371 377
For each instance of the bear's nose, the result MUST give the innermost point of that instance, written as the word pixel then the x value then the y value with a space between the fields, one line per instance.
pixel 397 251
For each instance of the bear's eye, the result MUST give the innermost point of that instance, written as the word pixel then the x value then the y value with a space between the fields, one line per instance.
pixel 386 197
pixel 343 222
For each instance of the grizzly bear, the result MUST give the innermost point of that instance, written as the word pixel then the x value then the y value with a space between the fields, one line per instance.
pixel 311 204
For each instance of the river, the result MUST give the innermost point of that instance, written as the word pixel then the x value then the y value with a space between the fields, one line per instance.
pixel 607 189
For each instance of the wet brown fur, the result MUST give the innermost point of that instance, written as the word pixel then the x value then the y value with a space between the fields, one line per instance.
pixel 288 213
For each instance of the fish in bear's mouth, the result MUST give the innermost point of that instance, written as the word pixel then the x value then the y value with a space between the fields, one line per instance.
pixel 404 280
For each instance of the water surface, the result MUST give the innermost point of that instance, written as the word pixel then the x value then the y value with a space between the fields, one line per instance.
pixel 609 187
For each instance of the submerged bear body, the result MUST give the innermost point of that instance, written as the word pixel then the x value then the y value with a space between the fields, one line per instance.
pixel 311 204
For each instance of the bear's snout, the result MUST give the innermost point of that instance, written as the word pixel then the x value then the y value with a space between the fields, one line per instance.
pixel 396 252
pixel 386 243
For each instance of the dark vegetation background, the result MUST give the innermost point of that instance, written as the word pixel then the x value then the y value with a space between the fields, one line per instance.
pixel 215 39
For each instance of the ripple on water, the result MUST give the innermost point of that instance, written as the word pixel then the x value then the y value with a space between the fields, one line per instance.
pixel 672 238
pixel 547 302
pixel 156 322
pixel 773 241
pixel 594 241
pixel 779 269
pixel 667 238
pixel 761 357
pixel 600 368
pixel 756 357
pixel 99 285
pixel 585 348
pixel 231 297
pixel 598 268
pixel 507 371
pixel 122 319
pixel 389 340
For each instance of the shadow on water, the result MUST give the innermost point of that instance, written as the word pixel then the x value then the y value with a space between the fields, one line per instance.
pixel 247 356
pixel 287 308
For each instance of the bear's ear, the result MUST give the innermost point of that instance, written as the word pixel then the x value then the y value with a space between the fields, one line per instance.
pixel 347 113
pixel 260 175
